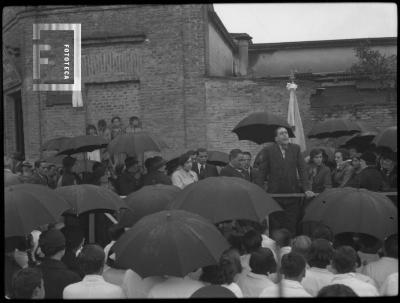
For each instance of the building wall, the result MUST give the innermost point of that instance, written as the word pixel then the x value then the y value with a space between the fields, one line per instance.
pixel 221 56
pixel 306 60
pixel 165 89
pixel 230 100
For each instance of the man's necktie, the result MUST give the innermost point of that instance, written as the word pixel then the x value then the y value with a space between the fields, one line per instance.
pixel 202 171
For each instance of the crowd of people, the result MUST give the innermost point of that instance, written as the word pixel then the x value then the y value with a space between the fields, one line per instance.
pixel 274 259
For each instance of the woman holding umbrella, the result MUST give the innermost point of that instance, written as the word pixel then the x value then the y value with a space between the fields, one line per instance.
pixel 343 171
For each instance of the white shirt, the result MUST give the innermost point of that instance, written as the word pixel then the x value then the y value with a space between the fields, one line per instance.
pixel 315 279
pixel 93 287
pixel 391 285
pixel 175 287
pixel 267 242
pixel 253 284
pixel 290 289
pixel 107 249
pixel 114 276
pixel 381 269
pixel 136 287
pixel 361 288
pixel 182 178
pixel 367 258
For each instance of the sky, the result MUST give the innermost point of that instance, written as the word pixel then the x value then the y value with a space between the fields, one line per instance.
pixel 285 22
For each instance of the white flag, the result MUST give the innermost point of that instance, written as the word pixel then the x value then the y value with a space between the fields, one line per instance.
pixel 294 118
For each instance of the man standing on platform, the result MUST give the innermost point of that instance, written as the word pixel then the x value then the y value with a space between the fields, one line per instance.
pixel 201 167
pixel 282 165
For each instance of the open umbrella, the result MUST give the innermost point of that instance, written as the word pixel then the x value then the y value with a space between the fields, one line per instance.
pixel 387 138
pixel 147 200
pixel 88 197
pixel 54 144
pixel 82 144
pixel 260 127
pixel 170 242
pixel 354 210
pixel 218 158
pixel 361 140
pixel 333 128
pixel 135 143
pixel 226 198
pixel 28 206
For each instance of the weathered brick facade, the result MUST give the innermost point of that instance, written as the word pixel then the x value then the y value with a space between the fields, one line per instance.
pixel 165 80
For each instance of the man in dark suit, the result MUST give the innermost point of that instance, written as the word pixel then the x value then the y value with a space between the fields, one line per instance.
pixel 235 165
pixel 201 167
pixel 253 174
pixel 281 165
pixel 39 176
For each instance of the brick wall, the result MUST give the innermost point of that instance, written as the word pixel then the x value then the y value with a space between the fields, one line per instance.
pixel 231 100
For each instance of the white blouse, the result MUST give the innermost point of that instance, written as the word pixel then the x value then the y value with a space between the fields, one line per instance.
pixel 182 178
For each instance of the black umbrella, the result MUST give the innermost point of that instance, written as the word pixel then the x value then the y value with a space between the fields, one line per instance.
pixel 387 138
pixel 334 128
pixel 260 127
pixel 218 158
pixel 82 144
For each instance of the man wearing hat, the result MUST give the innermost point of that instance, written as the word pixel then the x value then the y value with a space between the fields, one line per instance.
pixel 56 275
pixel 369 177
pixel 131 179
pixel 156 172
pixel 26 172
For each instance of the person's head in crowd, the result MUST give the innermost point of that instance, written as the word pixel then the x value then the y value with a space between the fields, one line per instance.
pixel 341 155
pixel 281 136
pixel 8 162
pixel 116 121
pixel 320 253
pixel 252 240
pixel 236 241
pixel 51 170
pixel 293 266
pixel 391 246
pixel 316 156
pixel 192 154
pixel 301 245
pixel 236 158
pixel 213 274
pixel 91 259
pixel 185 161
pixel 91 130
pixel 336 290
pixel 353 151
pixel 369 244
pixel 231 258
pixel 52 243
pixel 135 122
pixel 344 259
pixel 367 159
pixel 74 239
pixel 346 238
pixel 202 156
pixel 388 161
pixel 322 231
pixel 213 291
pixel 131 164
pixel 157 164
pixel 147 163
pixel 68 163
pixel 282 237
pixel 262 261
pixel 356 162
pixel 246 160
pixel 27 169
pixel 27 283
pixel 41 167
pixel 17 248
pixel 101 124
